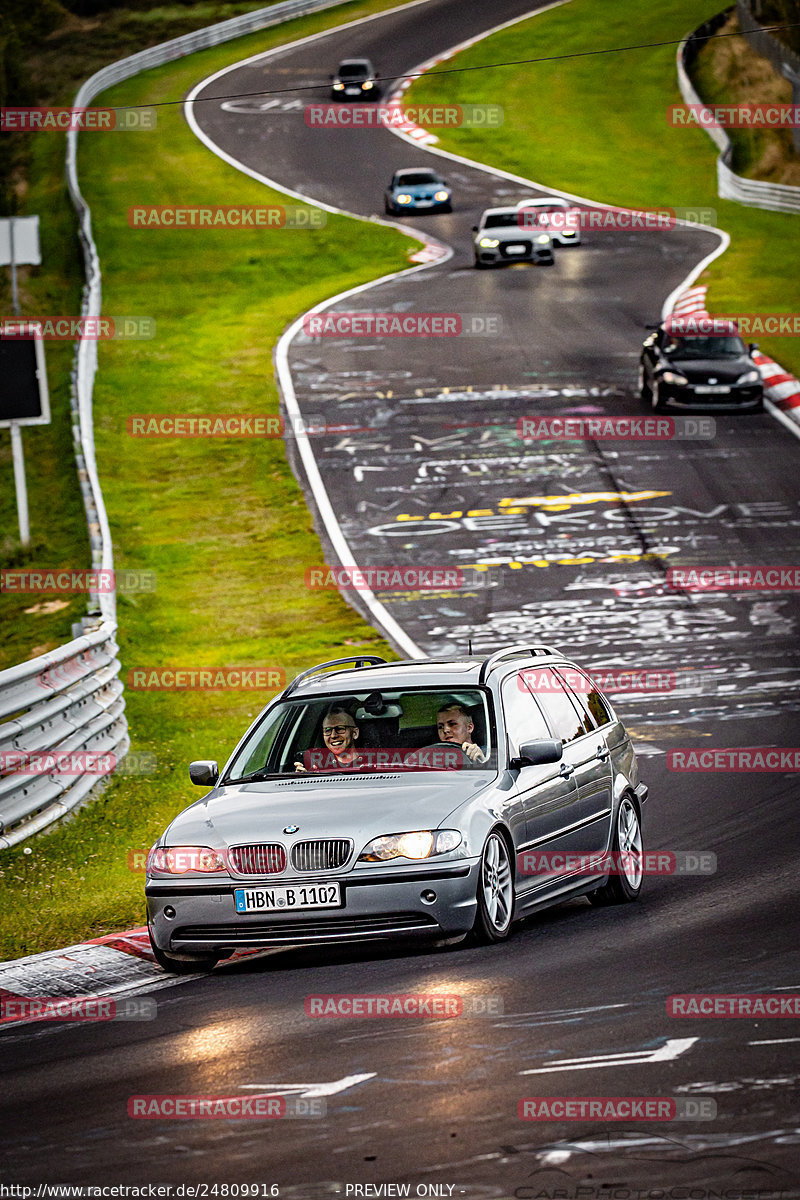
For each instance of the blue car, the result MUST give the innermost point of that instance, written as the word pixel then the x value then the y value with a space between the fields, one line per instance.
pixel 415 189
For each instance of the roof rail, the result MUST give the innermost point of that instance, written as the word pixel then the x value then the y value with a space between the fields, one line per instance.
pixel 361 660
pixel 510 652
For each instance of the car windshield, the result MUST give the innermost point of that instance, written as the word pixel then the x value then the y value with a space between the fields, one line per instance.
pixel 353 71
pixel 493 220
pixel 707 347
pixel 387 731
pixel 412 178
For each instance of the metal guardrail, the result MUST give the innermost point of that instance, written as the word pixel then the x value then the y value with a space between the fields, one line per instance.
pixel 70 699
pixel 755 193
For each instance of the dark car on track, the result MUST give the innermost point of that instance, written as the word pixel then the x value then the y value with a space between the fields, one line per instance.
pixel 417 188
pixel 354 80
pixel 699 363
pixel 462 794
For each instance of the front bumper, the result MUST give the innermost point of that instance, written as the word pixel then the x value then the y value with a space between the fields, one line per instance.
pixel 376 907
pixel 533 253
pixel 673 396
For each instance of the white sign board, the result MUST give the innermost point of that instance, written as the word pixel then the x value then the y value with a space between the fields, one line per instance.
pixel 26 241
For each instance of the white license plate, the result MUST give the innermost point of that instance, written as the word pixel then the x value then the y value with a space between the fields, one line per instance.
pixel 424 203
pixel 352 91
pixel 515 249
pixel 706 388
pixel 287 899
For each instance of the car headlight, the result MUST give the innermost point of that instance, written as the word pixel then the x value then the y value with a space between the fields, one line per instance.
pixel 423 843
pixel 403 198
pixel 179 860
pixel 543 238
pixel 749 377
pixel 441 195
pixel 367 85
pixel 674 377
pixel 568 233
pixel 338 87
pixel 489 243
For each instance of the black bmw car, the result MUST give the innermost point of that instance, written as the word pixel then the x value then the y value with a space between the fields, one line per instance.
pixel 699 364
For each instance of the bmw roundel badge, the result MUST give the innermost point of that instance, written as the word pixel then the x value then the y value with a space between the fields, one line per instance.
pixel 291 829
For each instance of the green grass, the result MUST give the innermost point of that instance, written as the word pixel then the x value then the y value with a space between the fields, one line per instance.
pixel 596 126
pixel 223 523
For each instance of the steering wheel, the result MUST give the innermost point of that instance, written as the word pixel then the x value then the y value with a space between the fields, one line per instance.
pixel 453 749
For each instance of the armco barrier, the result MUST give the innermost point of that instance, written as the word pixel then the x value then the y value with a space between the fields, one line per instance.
pixel 71 698
pixel 755 193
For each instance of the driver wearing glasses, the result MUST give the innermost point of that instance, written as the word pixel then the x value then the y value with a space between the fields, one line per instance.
pixel 339 732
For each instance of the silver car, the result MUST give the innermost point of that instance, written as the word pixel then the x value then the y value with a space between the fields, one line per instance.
pixel 501 237
pixel 559 217
pixel 428 799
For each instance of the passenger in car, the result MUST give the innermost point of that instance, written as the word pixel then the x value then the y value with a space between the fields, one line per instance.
pixel 339 732
pixel 456 725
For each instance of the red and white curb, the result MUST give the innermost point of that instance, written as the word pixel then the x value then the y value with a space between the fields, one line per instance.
pixel 110 967
pixel 781 390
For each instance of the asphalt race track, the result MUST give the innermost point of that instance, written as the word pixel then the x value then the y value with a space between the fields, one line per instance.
pixel 572 541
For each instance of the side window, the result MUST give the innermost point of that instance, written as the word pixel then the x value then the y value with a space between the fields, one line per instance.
pixel 597 706
pixel 524 720
pixel 578 687
pixel 564 717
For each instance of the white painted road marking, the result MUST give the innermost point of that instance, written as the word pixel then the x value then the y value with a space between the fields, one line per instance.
pixel 670 1050
pixel 309 1090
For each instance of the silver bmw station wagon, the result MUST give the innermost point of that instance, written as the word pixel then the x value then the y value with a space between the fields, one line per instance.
pixel 429 799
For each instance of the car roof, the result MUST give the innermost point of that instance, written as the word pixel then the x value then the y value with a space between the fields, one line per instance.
pixel 509 208
pixel 544 200
pixel 355 62
pixel 416 171
pixel 429 672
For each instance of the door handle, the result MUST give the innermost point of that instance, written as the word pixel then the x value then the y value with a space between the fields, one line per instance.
pixel 565 770
pixel 603 753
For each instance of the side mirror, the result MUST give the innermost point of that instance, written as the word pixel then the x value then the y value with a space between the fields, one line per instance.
pixel 474 228
pixel 754 346
pixel 533 754
pixel 204 772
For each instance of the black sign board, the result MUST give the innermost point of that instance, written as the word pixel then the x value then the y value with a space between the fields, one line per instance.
pixel 23 383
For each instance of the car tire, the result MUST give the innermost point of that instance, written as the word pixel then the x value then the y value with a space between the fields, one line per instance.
pixel 495 891
pixel 656 403
pixel 627 886
pixel 186 964
pixel 447 208
pixel 479 266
